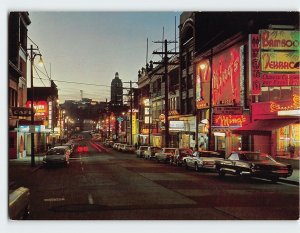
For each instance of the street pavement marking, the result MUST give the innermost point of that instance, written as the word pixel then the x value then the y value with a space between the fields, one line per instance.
pixel 90 198
pixel 54 199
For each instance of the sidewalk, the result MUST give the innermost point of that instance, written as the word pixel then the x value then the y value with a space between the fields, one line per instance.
pixel 27 162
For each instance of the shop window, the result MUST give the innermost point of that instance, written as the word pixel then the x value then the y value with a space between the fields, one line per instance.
pixel 264 97
pixel 234 156
pixel 296 90
pixel 274 93
pixel 286 93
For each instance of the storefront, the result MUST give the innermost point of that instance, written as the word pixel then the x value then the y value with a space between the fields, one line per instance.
pixel 187 131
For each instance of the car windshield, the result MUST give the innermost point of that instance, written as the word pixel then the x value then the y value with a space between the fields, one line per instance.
pixel 155 149
pixel 185 151
pixel 255 157
pixel 143 148
pixel 56 151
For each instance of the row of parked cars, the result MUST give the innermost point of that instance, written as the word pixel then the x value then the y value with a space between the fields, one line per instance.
pixel 241 163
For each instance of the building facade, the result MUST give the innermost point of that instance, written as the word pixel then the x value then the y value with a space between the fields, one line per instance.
pixel 17 79
pixel 116 98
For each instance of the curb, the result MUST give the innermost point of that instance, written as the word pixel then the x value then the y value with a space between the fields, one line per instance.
pixel 289 182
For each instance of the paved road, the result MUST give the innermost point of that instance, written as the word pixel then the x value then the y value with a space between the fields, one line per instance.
pixel 106 185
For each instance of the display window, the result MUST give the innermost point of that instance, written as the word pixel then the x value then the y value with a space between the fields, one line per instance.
pixel 286 136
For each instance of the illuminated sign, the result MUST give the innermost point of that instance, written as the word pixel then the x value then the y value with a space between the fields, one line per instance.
pixel 176 125
pixel 40 107
pixel 226 77
pixel 280 61
pixel 254 64
pixel 270 109
pixel 279 40
pixel 230 120
pixel 271 80
pixel 275 107
pixel 133 123
pixel 202 84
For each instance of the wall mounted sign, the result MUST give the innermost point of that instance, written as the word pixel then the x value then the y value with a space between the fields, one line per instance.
pixel 231 110
pixel 40 107
pixel 21 111
pixel 202 84
pixel 279 40
pixel 254 64
pixel 176 125
pixel 226 77
pixel 277 80
pixel 280 61
pixel 230 120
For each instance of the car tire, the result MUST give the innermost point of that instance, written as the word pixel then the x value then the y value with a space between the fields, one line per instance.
pixel 221 174
pixel 196 167
pixel 185 165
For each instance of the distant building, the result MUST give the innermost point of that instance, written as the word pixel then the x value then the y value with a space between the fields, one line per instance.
pixel 116 98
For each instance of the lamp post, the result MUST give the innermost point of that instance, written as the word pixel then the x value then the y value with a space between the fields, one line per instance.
pixel 32 57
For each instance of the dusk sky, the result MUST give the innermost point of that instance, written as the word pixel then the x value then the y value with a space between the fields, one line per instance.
pixel 89 47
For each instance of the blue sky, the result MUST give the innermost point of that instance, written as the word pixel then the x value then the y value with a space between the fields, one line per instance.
pixel 90 47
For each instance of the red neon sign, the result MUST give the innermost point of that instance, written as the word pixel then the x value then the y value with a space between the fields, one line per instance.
pixel 230 120
pixel 226 77
pixel 40 107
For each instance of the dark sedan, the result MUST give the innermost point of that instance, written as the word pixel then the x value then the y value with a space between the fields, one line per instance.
pixel 254 164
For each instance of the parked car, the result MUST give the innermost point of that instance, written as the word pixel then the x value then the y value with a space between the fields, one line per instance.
pixel 57 155
pixel 19 203
pixel 202 159
pixel 129 148
pixel 140 151
pixel 150 152
pixel 116 145
pixel 71 146
pixel 179 155
pixel 121 147
pixel 165 154
pixel 253 164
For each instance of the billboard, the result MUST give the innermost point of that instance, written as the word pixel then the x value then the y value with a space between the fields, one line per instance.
pixel 279 40
pixel 280 61
pixel 226 77
pixel 40 107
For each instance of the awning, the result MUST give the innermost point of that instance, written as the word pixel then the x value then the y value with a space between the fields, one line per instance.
pixel 263 127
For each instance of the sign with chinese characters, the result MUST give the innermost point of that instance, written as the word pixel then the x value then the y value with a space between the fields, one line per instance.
pixel 202 84
pixel 280 61
pixel 279 40
pixel 40 107
pixel 226 77
pixel 230 120
pixel 271 80
pixel 254 64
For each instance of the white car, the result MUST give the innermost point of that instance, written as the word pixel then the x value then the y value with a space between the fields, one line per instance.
pixel 19 203
pixel 116 145
pixel 57 155
pixel 165 154
pixel 140 151
pixel 129 148
pixel 150 152
pixel 202 159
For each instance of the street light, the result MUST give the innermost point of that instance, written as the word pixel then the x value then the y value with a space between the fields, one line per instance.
pixel 31 58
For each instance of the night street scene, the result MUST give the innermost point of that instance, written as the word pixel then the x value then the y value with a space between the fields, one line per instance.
pixel 188 115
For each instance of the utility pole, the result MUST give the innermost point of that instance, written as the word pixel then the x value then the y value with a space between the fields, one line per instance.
pixel 165 74
pixel 32 110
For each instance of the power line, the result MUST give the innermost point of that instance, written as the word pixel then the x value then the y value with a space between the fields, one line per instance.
pixel 38 75
pixel 72 82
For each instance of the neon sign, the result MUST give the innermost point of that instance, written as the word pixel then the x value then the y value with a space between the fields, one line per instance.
pixel 275 107
pixel 230 120
pixel 226 77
